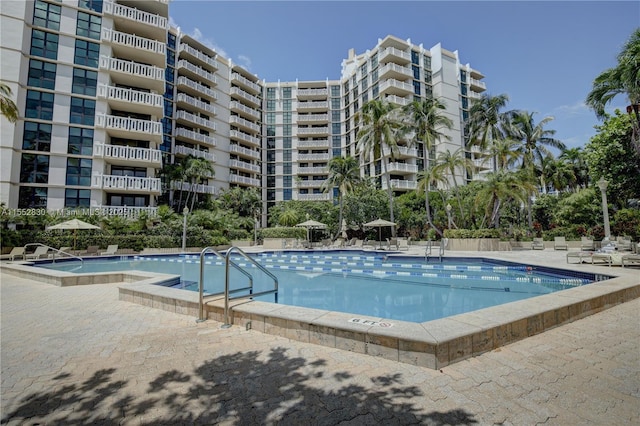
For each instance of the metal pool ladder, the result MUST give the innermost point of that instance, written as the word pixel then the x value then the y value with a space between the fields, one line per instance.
pixel 227 292
pixel 427 251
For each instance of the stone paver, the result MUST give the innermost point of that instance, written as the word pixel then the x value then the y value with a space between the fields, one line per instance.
pixel 78 355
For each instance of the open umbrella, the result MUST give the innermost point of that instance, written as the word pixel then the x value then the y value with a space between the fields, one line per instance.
pixel 311 224
pixel 379 223
pixel 74 224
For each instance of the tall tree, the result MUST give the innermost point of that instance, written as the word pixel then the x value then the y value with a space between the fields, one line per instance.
pixel 426 119
pixel 381 127
pixel 487 121
pixel 575 158
pixel 8 107
pixel 451 163
pixel 624 79
pixel 498 187
pixel 344 173
pixel 195 170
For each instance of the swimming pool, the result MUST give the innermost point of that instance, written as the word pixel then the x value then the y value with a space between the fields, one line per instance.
pixel 363 283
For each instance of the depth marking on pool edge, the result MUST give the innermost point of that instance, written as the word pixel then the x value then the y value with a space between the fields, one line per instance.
pixel 363 321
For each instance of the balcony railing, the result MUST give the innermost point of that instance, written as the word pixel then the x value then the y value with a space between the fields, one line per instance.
pixel 236 77
pixel 244 95
pixel 127 183
pixel 180 149
pixel 196 103
pixel 393 83
pixel 239 121
pixel 201 72
pixel 190 134
pixel 310 183
pixel 315 143
pixel 402 167
pixel 197 87
pixel 312 92
pixel 313 170
pixel 398 100
pixel 125 211
pixel 245 180
pixel 314 157
pixel 392 51
pixel 478 83
pixel 244 165
pixel 195 187
pixel 244 151
pixel 134 41
pixel 195 119
pixel 312 130
pixel 131 68
pixel 198 54
pixel 151 156
pixel 244 137
pixel 403 151
pixel 129 95
pixel 237 106
pixel 398 69
pixel 139 16
pixel 313 105
pixel 315 197
pixel 128 124
pixel 400 184
pixel 313 117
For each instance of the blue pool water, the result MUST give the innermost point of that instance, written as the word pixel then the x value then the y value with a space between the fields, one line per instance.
pixel 361 283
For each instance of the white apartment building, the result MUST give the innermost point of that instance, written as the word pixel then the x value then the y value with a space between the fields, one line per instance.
pixel 111 99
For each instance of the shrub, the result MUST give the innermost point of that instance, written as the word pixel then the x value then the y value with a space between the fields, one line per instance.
pixel 284 232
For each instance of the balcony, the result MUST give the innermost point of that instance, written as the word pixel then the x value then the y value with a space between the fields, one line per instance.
pixel 195 88
pixel 243 165
pixel 130 128
pixel 313 93
pixel 313 131
pixel 240 122
pixel 244 110
pixel 315 197
pixel 194 71
pixel 125 211
pixel 185 100
pixel 130 184
pixel 136 101
pixel 255 155
pixel 244 137
pixel 313 106
pixel 314 143
pixel 402 168
pixel 131 73
pixel 314 157
pixel 310 183
pixel 132 20
pixel 209 156
pixel 197 56
pixel 402 152
pixel 184 116
pixel 313 118
pixel 313 170
pixel 392 70
pixel 131 46
pixel 193 187
pixel 253 100
pixel 395 87
pixel 191 136
pixel 128 156
pixel 478 85
pixel 391 54
pixel 400 184
pixel 245 83
pixel 243 180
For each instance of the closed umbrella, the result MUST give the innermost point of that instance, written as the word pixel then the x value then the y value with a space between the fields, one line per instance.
pixel 379 223
pixel 74 224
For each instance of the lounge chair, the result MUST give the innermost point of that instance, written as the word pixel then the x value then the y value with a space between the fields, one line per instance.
pixel 90 251
pixel 41 251
pixel 559 243
pixel 403 243
pixel 587 244
pixel 392 242
pixel 624 244
pixel 15 252
pixel 630 259
pixel 110 251
pixel 537 244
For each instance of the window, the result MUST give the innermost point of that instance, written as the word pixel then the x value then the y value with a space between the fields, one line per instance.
pixel 286 117
pixel 374 60
pixel 416 72
pixel 335 103
pixel 287 181
pixel 335 91
pixel 415 57
pixel 416 87
pixel 271 92
pixel 128 171
pixel 271 105
pixel 128 200
pixel 286 92
pixel 335 115
pixel 286 155
pixel 427 62
pixel 335 128
pixel 42 74
pixel 32 197
pixel 83 111
pixel 168 108
pixel 374 76
pixel 286 143
pixel 88 25
pixel 39 105
pixel 271 143
pixel 86 53
pixel 79 171
pixel 46 15
pixel 34 168
pixel 167 126
pixel 171 57
pixel 171 41
pixel 37 136
pixel 169 74
pixel 95 5
pixel 271 118
pixel 80 141
pixel 286 194
pixel 168 91
pixel 375 90
pixel 44 44
pixel 84 82
pixel 77 197
pixel 287 168
pixel 286 105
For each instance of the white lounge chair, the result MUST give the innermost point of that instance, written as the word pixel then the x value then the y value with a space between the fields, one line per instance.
pixel 110 251
pixel 587 243
pixel 15 252
pixel 537 244
pixel 559 243
pixel 41 251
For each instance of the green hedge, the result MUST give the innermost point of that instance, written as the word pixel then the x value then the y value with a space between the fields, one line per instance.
pixel 284 232
pixel 472 233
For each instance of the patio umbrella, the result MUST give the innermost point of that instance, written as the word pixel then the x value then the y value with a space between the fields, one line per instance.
pixel 379 223
pixel 311 224
pixel 74 224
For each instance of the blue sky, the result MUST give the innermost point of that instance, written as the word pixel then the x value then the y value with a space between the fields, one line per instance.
pixel 544 55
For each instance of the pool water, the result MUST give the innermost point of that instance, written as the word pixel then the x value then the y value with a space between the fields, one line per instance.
pixel 360 283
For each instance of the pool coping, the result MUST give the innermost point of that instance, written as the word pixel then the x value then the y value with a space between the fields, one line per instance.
pixel 432 344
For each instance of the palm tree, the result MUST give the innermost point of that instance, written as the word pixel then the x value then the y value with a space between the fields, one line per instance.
pixel 425 119
pixel 381 128
pixel 8 108
pixel 344 173
pixel 195 170
pixel 556 172
pixel 576 160
pixel 486 122
pixel 449 162
pixel 505 153
pixel 500 186
pixel 623 79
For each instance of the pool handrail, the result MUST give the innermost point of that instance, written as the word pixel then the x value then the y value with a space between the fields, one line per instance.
pixel 226 283
pixel 204 251
pixel 55 250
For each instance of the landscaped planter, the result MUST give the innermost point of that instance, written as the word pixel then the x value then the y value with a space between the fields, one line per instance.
pixel 474 244
pixel 242 243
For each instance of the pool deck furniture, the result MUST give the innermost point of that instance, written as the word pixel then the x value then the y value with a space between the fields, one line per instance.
pixel 90 251
pixel 40 252
pixel 110 251
pixel 15 252
pixel 630 260
pixel 580 255
pixel 537 244
pixel 587 243
pixel 560 243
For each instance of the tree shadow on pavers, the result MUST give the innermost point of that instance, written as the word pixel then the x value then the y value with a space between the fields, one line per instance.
pixel 242 389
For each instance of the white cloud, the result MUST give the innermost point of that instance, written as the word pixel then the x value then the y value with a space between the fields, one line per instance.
pixel 576 109
pixel 197 34
pixel 245 62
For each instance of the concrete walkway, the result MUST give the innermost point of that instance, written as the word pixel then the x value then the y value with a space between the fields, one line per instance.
pixel 79 356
